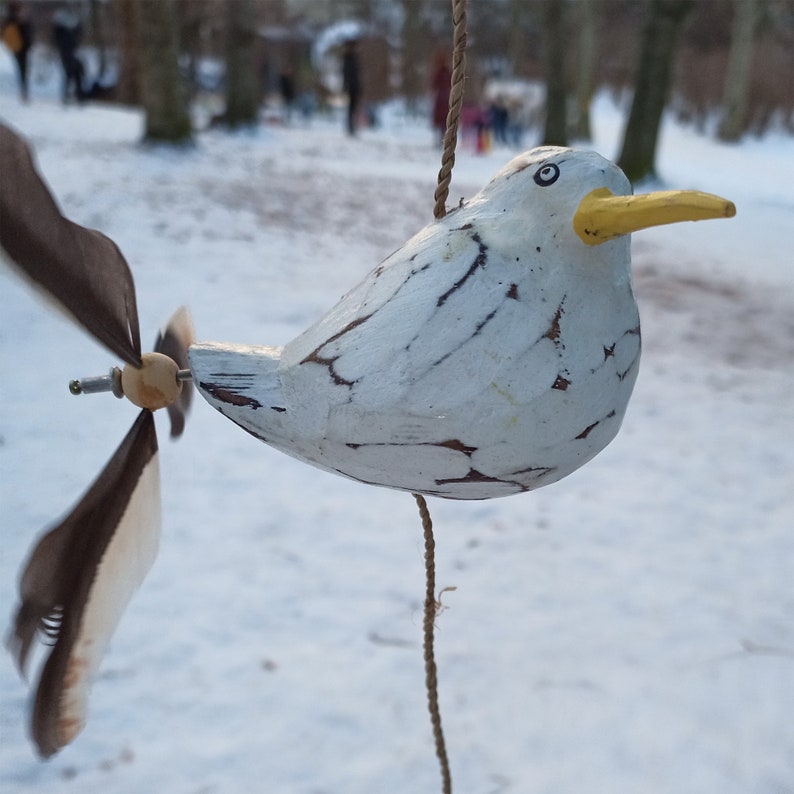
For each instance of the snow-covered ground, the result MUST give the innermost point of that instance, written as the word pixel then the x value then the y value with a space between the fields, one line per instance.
pixel 629 629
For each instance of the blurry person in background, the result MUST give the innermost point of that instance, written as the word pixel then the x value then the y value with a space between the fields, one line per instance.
pixel 67 30
pixel 286 87
pixel 351 83
pixel 499 117
pixel 17 34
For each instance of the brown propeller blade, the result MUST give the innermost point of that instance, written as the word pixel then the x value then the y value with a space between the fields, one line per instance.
pixel 81 269
pixel 174 342
pixel 82 573
pixel 80 577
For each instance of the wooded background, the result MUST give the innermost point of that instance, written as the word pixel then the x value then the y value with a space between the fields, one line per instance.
pixel 726 66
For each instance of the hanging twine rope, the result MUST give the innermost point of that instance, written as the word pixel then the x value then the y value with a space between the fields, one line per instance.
pixel 455 105
pixel 439 211
pixel 429 624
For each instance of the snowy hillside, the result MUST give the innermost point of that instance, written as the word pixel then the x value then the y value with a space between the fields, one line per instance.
pixel 629 629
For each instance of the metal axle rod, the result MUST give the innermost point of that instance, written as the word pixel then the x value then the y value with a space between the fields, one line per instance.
pixel 111 382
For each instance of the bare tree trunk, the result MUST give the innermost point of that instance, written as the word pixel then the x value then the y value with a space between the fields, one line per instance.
pixel 164 96
pixel 193 15
pixel 554 47
pixel 415 82
pixel 516 41
pixel 128 90
pixel 652 85
pixel 585 67
pixel 242 90
pixel 740 65
pixel 98 32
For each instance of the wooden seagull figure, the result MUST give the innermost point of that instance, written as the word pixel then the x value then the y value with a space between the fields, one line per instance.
pixel 494 353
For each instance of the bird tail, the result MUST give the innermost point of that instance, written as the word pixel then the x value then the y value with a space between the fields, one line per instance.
pixel 237 379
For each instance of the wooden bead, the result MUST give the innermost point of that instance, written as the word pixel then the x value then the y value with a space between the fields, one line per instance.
pixel 154 385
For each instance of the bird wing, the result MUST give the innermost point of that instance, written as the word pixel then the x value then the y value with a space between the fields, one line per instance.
pixel 424 330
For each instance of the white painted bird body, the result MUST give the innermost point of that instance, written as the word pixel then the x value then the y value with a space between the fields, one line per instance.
pixel 494 353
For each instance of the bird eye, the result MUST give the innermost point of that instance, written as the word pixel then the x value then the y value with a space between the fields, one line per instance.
pixel 547 175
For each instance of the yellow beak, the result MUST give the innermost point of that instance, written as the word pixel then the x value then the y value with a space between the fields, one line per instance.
pixel 602 215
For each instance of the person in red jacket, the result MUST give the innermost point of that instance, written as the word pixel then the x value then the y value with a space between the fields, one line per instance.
pixel 440 79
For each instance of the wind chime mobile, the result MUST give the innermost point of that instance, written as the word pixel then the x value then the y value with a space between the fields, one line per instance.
pixel 494 353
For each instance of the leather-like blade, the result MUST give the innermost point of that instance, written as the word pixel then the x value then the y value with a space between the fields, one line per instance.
pixel 174 342
pixel 81 269
pixel 79 579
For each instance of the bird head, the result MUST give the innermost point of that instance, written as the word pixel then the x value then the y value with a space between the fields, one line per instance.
pixel 579 199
